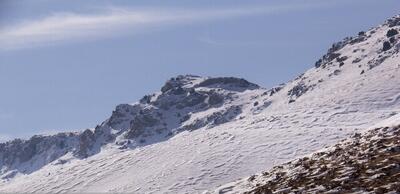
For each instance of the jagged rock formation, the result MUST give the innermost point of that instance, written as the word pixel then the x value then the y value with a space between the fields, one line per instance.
pixel 42 149
pixel 160 114
pixel 168 112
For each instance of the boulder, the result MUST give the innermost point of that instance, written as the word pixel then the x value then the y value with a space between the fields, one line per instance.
pixel 386 46
pixel 391 32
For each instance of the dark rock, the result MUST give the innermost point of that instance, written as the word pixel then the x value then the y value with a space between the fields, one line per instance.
pixel 178 91
pixel 218 118
pixel 168 86
pixel 391 32
pixel 336 72
pixel 120 114
pixel 215 98
pixel 357 40
pixel 215 118
pixel 395 21
pixel 275 90
pixel 298 90
pixel 376 62
pixel 392 40
pixel 327 58
pixel 232 81
pixel 338 45
pixel 50 148
pixel 191 100
pixel 178 82
pixel 386 46
pixel 341 59
pixel 185 118
pixel 318 63
pixel 139 124
pixel 332 56
pixel 252 178
pixel 357 60
pixel 86 142
pixel 145 100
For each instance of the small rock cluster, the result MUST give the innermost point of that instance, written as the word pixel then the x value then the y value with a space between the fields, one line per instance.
pixel 395 21
pixel 217 118
pixel 332 53
pixel 368 163
pixel 298 90
pixel 392 39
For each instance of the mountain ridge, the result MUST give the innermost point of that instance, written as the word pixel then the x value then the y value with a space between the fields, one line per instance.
pixel 88 142
pixel 352 86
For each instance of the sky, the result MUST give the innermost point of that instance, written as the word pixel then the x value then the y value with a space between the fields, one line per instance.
pixel 66 64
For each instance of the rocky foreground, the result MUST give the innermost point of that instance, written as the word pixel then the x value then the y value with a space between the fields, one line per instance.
pixel 368 163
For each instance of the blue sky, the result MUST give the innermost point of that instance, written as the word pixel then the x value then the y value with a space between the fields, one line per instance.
pixel 65 64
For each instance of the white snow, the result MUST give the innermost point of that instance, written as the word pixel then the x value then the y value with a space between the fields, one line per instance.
pixel 256 140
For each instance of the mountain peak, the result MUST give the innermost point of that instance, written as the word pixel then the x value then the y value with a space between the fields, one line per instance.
pixel 182 82
pixel 220 128
pixel 185 103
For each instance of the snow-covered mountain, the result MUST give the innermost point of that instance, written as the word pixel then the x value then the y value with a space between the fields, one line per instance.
pixel 199 133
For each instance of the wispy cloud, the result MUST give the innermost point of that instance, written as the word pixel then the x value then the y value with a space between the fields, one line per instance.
pixel 61 27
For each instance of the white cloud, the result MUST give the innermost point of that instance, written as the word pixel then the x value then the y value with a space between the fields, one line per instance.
pixel 61 27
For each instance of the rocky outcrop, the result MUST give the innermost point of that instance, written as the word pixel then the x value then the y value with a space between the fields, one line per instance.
pixel 162 114
pixel 231 82
pixel 86 143
pixel 38 150
pixel 180 96
pixel 395 21
pixel 298 90
pixel 333 54
pixel 139 125
pixel 216 118
pixel 392 32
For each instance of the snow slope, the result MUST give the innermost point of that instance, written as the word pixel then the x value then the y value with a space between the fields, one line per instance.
pixel 364 163
pixel 199 133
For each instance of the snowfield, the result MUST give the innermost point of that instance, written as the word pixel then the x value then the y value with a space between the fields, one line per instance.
pixel 234 128
pixel 365 163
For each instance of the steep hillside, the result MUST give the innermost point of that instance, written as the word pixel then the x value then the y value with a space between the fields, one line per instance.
pixel 198 133
pixel 185 103
pixel 364 163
